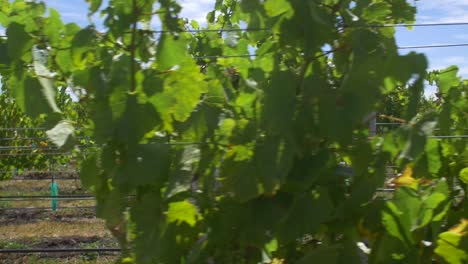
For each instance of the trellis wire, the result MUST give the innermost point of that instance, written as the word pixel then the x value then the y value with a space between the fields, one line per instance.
pixel 454 136
pixel 43 179
pixel 59 250
pixel 34 138
pixel 45 208
pixel 331 51
pixel 43 153
pixel 422 24
pixel 269 29
pixel 23 138
pixel 78 196
pixel 40 171
pixel 434 46
pixel 39 147
pixel 22 128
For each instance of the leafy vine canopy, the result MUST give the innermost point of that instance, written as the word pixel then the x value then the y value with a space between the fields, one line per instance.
pixel 224 142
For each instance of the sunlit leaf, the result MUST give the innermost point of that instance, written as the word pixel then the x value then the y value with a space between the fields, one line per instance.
pixel 406 178
pixel 183 211
pixel 452 244
pixel 464 175
pixel 61 133
pixel 277 7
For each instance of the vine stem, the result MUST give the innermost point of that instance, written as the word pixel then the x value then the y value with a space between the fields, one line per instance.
pixel 133 48
pixel 306 64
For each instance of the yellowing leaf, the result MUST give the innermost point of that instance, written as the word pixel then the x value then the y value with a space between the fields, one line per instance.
pixel 406 178
pixel 460 229
pixel 277 261
pixel 452 244
pixel 183 211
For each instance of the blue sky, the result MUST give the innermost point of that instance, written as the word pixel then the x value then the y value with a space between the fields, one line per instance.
pixel 429 11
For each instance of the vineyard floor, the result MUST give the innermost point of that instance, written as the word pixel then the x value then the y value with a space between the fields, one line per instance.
pixel 39 187
pixel 66 228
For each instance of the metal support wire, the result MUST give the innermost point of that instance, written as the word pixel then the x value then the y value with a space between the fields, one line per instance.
pixel 209 30
pixel 454 136
pixel 6 148
pixel 43 179
pixel 434 46
pixel 389 124
pixel 268 29
pixel 225 56
pixel 36 197
pixel 23 138
pixel 46 208
pixel 41 171
pixel 22 128
pixel 42 153
pixel 37 153
pixel 45 199
pixel 422 25
pixel 58 250
pixel 34 138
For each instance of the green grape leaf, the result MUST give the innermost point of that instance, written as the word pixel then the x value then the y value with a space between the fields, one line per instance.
pixel 274 128
pixel 181 179
pixel 145 164
pixel 273 160
pixel 448 79
pixel 94 5
pixel 433 156
pixel 182 91
pixel 322 254
pixel 279 103
pixel 238 173
pixel 64 60
pixel 452 244
pixel 377 11
pixel 110 205
pixel 246 102
pixel 401 214
pixel 464 175
pixel 82 42
pixel 29 95
pixel 18 40
pixel 183 211
pixel 4 59
pixel 277 7
pixel 306 215
pixel 172 51
pixel 89 172
pixel 53 28
pixel 428 207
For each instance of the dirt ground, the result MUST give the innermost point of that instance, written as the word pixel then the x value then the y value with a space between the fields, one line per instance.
pixel 67 228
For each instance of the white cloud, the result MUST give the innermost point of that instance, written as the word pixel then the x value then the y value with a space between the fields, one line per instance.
pixel 455 59
pixel 464 72
pixel 191 10
pixel 447 11
pixel 461 36
pixel 196 9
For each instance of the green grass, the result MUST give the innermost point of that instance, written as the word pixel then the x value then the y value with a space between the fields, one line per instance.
pixel 80 259
pixel 12 245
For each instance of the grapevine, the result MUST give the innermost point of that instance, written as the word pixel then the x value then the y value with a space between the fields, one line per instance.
pixel 227 142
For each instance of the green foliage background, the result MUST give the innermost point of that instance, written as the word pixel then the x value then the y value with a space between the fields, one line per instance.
pixel 229 158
